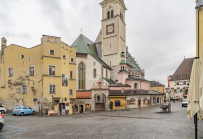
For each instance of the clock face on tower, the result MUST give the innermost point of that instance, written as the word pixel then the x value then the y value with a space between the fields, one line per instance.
pixel 110 29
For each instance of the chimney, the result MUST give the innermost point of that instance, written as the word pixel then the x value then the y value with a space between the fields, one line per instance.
pixel 3 42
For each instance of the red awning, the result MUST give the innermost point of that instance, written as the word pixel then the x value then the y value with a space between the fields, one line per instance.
pixel 83 95
pixel 185 95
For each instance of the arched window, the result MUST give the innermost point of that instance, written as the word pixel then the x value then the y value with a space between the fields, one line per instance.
pixel 135 86
pixel 111 13
pixel 106 73
pixel 81 72
pixel 117 103
pixel 98 98
pixel 108 14
pixel 94 73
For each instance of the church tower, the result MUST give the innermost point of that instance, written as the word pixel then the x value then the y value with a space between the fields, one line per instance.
pixel 113 33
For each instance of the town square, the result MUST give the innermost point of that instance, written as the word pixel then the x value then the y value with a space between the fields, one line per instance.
pixel 101 69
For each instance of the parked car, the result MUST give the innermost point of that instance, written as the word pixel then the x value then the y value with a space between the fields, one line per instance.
pixel 23 110
pixel 2 122
pixel 2 110
pixel 184 103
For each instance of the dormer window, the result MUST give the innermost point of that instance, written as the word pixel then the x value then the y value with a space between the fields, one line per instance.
pixel 51 52
pixel 186 75
pixel 22 56
pixel 177 76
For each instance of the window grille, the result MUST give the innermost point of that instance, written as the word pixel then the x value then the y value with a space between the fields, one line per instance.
pixel 52 89
pixel 24 89
pixel 31 71
pixel 81 72
pixel 70 91
pixel 117 103
pixel 51 52
pixel 10 72
pixel 71 74
pixel 52 70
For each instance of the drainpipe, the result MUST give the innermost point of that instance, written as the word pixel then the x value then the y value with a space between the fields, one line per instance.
pixel 198 33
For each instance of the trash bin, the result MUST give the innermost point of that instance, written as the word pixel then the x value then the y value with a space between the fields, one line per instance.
pixel 47 110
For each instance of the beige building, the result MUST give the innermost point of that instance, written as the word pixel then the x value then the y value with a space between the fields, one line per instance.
pixel 44 74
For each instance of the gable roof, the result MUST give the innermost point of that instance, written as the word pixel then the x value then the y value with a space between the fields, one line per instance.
pixel 99 37
pixel 156 84
pixel 132 63
pixel 86 46
pixel 183 70
pixel 133 77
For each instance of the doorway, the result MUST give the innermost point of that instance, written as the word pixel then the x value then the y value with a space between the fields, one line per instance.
pixel 139 102
pixel 111 105
pixel 81 108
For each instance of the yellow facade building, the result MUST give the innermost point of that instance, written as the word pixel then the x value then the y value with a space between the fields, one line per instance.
pixel 44 74
pixel 199 27
pixel 158 87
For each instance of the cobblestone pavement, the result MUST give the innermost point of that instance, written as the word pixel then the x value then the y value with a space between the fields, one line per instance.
pixel 105 125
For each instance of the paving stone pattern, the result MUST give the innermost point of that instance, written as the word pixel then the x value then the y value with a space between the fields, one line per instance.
pixel 106 125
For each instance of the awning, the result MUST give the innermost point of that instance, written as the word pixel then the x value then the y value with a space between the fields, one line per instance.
pixel 84 95
pixel 185 95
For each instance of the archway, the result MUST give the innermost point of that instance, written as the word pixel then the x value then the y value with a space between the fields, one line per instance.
pixel 100 101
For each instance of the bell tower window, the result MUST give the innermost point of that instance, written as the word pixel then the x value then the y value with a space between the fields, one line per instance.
pixel 108 14
pixel 111 13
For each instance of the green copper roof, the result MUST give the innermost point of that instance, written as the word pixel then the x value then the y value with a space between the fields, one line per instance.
pixel 132 63
pixel 122 62
pixel 82 43
pixel 109 81
pixel 86 46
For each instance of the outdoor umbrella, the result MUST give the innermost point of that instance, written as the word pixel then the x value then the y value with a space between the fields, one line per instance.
pixel 193 97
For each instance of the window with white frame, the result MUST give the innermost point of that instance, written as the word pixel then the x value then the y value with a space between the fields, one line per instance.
pixel 71 59
pixel 31 71
pixel 52 89
pixel 64 57
pixel 52 70
pixel 51 52
pixel 10 72
pixel 71 74
pixel 24 89
pixel 70 91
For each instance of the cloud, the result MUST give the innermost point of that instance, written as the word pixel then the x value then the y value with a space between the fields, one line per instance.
pixel 159 33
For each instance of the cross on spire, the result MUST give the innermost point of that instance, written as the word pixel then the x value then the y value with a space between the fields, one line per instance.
pixel 81 30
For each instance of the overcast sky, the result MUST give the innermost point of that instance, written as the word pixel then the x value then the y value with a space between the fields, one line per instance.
pixel 159 32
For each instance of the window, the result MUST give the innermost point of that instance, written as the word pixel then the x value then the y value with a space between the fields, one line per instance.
pixel 81 69
pixel 117 103
pixel 24 89
pixel 10 72
pixel 111 13
pixel 177 83
pixel 52 89
pixel 131 101
pixel 106 73
pixel 70 91
pixel 108 14
pixel 157 89
pixel 154 100
pixel 135 86
pixel 98 98
pixel 71 60
pixel 177 76
pixel 110 63
pixel 31 71
pixel 184 83
pixel 51 52
pixel 94 63
pixel 52 70
pixel 71 74
pixel 110 45
pixel 0 73
pixel 64 57
pixel 22 56
pixel 94 73
pixel 186 75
